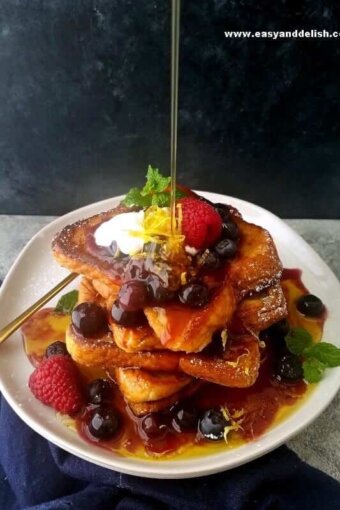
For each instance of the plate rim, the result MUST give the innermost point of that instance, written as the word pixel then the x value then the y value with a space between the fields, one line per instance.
pixel 152 468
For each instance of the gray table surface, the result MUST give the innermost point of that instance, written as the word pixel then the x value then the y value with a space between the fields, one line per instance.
pixel 318 444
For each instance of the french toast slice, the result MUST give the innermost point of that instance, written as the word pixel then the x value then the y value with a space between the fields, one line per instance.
pixel 139 385
pixel 257 264
pixel 155 406
pixel 141 338
pixel 261 309
pixel 255 267
pixel 103 352
pixel 181 328
pixel 238 367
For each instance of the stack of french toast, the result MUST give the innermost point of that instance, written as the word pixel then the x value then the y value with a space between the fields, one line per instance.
pixel 177 348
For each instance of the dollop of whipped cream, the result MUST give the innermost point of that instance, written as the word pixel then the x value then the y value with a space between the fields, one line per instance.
pixel 125 229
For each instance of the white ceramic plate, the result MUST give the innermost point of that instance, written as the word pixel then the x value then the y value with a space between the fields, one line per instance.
pixel 35 272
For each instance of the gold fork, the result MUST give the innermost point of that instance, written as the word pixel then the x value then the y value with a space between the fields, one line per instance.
pixel 16 323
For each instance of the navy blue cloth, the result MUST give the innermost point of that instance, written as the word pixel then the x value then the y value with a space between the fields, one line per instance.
pixel 36 475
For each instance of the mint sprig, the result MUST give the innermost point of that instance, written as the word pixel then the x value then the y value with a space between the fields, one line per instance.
pixel 317 357
pixel 67 302
pixel 297 340
pixel 153 193
pixel 313 370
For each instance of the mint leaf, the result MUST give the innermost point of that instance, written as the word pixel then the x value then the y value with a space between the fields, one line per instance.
pixel 313 370
pixel 155 182
pixel 161 199
pixel 297 340
pixel 154 192
pixel 67 302
pixel 325 352
pixel 134 197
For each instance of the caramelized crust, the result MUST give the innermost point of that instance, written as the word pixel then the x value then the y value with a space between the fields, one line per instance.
pixel 139 385
pixel 109 293
pixel 237 368
pixel 181 328
pixel 88 293
pixel 259 311
pixel 103 352
pixel 70 250
pixel 257 264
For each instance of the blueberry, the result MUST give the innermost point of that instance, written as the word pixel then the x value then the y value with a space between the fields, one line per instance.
pixel 185 417
pixel 223 211
pixel 212 425
pixel 230 230
pixel 310 305
pixel 194 294
pixel 153 426
pixel 208 260
pixel 289 368
pixel 226 248
pixel 100 391
pixel 133 295
pixel 158 292
pixel 103 422
pixel 55 349
pixel 127 318
pixel 280 329
pixel 89 319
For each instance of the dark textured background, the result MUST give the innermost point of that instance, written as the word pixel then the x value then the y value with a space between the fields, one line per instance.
pixel 84 102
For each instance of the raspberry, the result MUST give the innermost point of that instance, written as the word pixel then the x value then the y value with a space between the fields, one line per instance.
pixel 201 224
pixel 55 382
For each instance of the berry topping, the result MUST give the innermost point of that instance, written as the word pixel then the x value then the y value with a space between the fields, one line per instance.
pixel 133 296
pixel 89 319
pixel 223 211
pixel 55 349
pixel 185 417
pixel 230 230
pixel 279 329
pixel 212 424
pixel 194 294
pixel 56 383
pixel 153 426
pixel 127 318
pixel 159 293
pixel 208 260
pixel 99 391
pixel 310 305
pixel 289 368
pixel 201 223
pixel 103 423
pixel 226 248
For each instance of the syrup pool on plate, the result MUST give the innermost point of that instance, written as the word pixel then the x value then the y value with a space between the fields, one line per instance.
pixel 256 408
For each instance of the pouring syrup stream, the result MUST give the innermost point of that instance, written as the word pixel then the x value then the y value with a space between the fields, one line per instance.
pixel 175 29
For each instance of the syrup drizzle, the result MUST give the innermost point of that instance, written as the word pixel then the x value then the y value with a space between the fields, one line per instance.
pixel 175 29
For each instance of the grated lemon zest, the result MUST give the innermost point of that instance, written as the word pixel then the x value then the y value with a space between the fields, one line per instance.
pixel 224 338
pixel 235 423
pixel 157 229
pixel 235 363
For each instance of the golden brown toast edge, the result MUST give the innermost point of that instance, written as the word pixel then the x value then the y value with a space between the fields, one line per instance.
pixel 103 352
pixel 70 250
pixel 140 409
pixel 139 385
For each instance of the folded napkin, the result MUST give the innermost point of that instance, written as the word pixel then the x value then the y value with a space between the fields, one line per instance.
pixel 36 475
